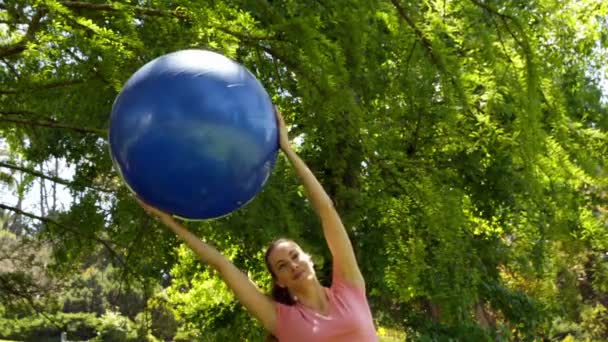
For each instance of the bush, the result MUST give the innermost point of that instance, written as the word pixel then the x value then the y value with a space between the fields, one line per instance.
pixel 164 324
pixel 113 327
pixel 595 322
pixel 81 326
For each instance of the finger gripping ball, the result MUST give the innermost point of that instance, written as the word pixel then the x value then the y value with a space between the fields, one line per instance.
pixel 194 133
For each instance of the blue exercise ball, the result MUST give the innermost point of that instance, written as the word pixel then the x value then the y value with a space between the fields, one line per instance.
pixel 194 133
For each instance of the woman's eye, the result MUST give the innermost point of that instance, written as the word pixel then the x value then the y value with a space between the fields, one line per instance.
pixel 281 266
pixel 295 256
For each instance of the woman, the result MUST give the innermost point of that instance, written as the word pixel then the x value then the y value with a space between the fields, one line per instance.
pixel 301 309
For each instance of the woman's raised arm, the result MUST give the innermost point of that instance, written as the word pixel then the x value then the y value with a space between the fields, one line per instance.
pixel 260 305
pixel 335 234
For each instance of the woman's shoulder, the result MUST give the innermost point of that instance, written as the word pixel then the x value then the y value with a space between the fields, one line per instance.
pixel 340 283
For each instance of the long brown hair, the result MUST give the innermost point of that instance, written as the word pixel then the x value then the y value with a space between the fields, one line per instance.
pixel 278 293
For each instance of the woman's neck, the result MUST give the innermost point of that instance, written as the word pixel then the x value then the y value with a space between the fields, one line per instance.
pixel 313 296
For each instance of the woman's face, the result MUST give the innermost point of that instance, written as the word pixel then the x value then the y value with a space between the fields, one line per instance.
pixel 291 266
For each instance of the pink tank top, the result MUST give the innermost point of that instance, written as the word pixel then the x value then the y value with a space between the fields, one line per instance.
pixel 349 318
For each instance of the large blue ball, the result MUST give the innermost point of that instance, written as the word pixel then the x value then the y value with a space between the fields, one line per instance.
pixel 194 133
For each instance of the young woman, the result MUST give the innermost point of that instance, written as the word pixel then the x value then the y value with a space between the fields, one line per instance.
pixel 300 309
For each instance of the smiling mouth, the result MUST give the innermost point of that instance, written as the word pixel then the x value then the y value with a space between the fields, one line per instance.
pixel 298 275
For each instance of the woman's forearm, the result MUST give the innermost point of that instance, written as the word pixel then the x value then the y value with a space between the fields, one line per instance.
pixel 246 291
pixel 314 190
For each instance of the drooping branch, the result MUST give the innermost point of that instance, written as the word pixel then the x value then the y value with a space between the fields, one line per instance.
pixel 52 124
pixel 94 69
pixel 426 43
pixel 502 41
pixel 133 245
pixel 532 112
pixel 51 178
pixel 505 18
pixel 435 58
pixel 290 64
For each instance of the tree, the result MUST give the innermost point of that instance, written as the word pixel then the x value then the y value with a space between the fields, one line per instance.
pixel 464 143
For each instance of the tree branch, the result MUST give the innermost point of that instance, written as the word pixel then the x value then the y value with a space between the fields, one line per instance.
pixel 524 43
pixel 138 10
pixel 23 114
pixel 42 87
pixel 51 178
pixel 20 46
pixel 426 43
pixel 242 36
pixel 17 112
pixel 290 65
pixel 492 10
pixel 9 66
pixel 7 287
pixel 51 124
pixel 434 57
pixel 104 243
pixel 504 17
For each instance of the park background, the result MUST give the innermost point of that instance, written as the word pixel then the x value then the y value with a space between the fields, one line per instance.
pixel 463 142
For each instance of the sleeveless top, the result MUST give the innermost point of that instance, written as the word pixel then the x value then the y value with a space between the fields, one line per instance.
pixel 349 318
